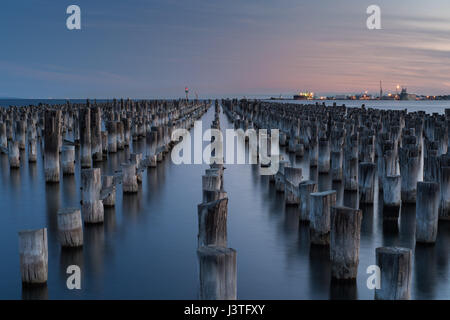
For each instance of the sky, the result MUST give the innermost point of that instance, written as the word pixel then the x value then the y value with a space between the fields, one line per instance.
pixel 154 49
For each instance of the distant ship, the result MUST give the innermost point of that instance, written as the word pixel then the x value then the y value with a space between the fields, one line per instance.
pixel 404 95
pixel 304 96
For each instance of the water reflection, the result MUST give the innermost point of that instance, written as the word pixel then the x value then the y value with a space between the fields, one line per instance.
pixel 319 270
pixel 35 292
pixel 343 290
pixel 94 239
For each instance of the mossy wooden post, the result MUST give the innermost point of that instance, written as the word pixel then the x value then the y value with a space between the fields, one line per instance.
pixel 392 201
pixel 51 147
pixel 129 178
pixel 444 203
pixel 70 227
pixel 344 242
pixel 305 190
pixel 96 132
pixel 14 154
pixel 396 269
pixel 319 218
pixel 108 184
pixel 212 223
pixel 427 212
pixel 85 137
pixel 92 207
pixel 293 177
pixel 217 273
pixel 33 251
pixel 112 136
pixel 366 181
pixel 68 160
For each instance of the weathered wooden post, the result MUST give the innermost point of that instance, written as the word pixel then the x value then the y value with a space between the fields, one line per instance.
pixel 279 176
pixel 70 227
pixel 366 181
pixel 396 269
pixel 217 273
pixel 336 165
pixel 96 132
pixel 92 206
pixel 409 170
pixel 21 133
pixel 33 250
pixel 68 160
pixel 32 150
pixel 136 158
pixel 305 190
pixel 319 218
pixel 324 156
pixel 129 180
pixel 212 223
pixel 152 144
pixel 85 137
pixel 104 143
pixel 350 173
pixel 109 189
pixel 427 212
pixel 112 136
pixel 14 154
pixel 292 178
pixel 444 206
pixel 392 201
pixel 120 136
pixel 51 148
pixel 3 137
pixel 344 242
pixel 211 186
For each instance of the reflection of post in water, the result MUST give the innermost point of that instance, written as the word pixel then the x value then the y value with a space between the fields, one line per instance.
pixel 94 237
pixel 217 273
pixel 35 292
pixel 319 270
pixel 52 202
pixel 425 265
pixel 343 290
pixel 70 192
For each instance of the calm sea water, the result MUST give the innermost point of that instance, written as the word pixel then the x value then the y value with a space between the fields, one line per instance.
pixel 146 249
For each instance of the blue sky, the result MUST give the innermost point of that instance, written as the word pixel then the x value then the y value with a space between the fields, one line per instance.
pixel 146 49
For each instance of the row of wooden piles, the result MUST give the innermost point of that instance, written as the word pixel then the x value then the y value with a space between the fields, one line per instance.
pixel 406 154
pixel 97 129
pixel 217 262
